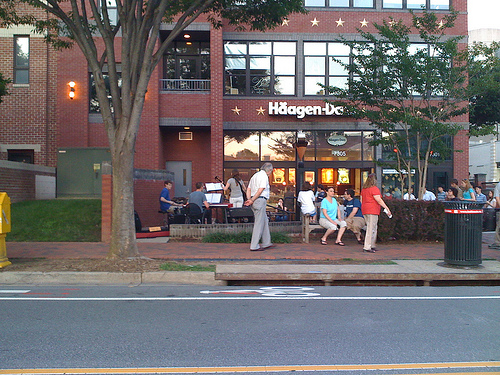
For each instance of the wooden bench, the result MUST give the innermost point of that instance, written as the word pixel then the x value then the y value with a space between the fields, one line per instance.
pixel 307 228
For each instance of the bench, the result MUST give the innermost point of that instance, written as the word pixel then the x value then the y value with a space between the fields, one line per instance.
pixel 307 228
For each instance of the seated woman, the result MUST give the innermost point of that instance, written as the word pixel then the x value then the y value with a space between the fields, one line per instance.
pixel 306 199
pixel 330 218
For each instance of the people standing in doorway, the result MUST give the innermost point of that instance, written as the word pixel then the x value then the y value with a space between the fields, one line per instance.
pixel 467 191
pixel 330 218
pixel 237 187
pixel 258 193
pixel 166 204
pixel 306 200
pixel 371 202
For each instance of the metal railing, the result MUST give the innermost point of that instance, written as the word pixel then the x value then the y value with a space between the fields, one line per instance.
pixel 184 84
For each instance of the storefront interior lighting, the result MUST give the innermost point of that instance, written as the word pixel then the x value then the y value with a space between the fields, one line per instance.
pixel 71 93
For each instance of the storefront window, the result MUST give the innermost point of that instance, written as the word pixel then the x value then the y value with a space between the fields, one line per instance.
pixel 277 146
pixel 241 145
pixel 338 146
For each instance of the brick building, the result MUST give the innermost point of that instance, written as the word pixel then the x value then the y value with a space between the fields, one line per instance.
pixel 215 103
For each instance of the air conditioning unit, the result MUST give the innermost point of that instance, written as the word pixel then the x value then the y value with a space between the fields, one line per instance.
pixel 185 136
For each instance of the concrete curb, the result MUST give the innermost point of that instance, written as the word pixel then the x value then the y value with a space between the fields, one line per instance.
pixel 108 278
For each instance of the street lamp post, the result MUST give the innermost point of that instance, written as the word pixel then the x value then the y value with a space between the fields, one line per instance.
pixel 300 146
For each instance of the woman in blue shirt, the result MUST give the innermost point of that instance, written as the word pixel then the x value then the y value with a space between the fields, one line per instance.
pixel 330 218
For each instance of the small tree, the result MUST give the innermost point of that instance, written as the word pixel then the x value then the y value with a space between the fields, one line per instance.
pixel 3 86
pixel 409 92
pixel 484 88
pixel 136 31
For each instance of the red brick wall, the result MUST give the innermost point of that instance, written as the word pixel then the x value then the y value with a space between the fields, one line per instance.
pixel 146 202
pixel 28 113
pixel 197 151
pixel 19 184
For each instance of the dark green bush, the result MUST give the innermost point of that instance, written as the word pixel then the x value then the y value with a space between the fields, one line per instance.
pixel 412 221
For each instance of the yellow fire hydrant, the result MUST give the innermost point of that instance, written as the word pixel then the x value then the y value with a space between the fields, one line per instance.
pixel 5 227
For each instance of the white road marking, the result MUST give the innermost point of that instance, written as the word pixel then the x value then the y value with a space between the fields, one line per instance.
pixel 14 291
pixel 259 298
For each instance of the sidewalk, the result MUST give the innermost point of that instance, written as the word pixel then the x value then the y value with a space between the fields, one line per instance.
pixel 217 251
pixel 413 264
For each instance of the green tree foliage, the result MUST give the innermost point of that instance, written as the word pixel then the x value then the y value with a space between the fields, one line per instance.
pixel 409 92
pixel 3 86
pixel 136 33
pixel 484 88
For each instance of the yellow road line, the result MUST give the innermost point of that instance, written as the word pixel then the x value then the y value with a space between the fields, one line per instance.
pixel 246 369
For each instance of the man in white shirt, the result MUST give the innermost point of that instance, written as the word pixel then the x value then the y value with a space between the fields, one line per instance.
pixel 409 196
pixel 428 195
pixel 258 193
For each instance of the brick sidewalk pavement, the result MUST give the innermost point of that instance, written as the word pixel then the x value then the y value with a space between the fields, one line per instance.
pixel 208 251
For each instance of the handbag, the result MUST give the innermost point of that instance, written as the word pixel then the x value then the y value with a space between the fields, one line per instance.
pixel 242 191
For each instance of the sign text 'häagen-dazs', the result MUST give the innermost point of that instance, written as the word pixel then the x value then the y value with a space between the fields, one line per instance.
pixel 300 111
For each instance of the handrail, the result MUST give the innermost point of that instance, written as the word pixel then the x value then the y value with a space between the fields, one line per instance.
pixel 184 85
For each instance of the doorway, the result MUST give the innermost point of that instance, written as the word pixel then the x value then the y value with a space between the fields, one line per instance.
pixel 182 177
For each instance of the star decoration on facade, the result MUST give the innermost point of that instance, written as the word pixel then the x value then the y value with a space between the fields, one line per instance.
pixel 340 22
pixel 260 111
pixel 315 22
pixel 285 22
pixel 441 24
pixel 364 23
pixel 236 110
pixel 392 23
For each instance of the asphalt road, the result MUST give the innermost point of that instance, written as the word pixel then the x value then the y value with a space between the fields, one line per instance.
pixel 313 329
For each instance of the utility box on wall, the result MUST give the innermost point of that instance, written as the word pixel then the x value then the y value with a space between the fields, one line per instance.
pixel 79 172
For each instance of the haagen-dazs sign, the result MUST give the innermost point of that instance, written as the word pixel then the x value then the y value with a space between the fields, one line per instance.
pixel 301 111
pixel 336 140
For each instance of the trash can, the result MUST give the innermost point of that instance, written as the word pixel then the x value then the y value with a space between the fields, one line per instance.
pixel 463 233
pixel 489 219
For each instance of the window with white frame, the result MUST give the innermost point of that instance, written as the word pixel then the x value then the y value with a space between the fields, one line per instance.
pixel 340 3
pixel 259 68
pixel 416 4
pixel 21 59
pixel 321 67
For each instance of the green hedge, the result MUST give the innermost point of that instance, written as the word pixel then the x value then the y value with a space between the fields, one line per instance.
pixel 412 221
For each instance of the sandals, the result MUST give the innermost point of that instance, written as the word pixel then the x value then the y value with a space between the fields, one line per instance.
pixel 340 243
pixel 323 242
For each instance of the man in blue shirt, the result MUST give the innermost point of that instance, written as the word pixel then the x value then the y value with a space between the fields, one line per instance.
pixel 480 197
pixel 166 204
pixel 354 217
pixel 441 194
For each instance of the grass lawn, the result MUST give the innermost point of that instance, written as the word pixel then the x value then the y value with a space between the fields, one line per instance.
pixel 56 220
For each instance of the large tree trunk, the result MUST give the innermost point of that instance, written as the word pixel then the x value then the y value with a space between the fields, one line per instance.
pixel 123 242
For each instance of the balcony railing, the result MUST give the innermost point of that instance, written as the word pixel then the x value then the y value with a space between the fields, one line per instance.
pixel 184 84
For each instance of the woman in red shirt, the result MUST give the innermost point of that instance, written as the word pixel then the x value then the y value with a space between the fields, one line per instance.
pixel 371 201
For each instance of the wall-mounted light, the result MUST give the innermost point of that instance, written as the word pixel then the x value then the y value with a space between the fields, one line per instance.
pixel 187 36
pixel 71 93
